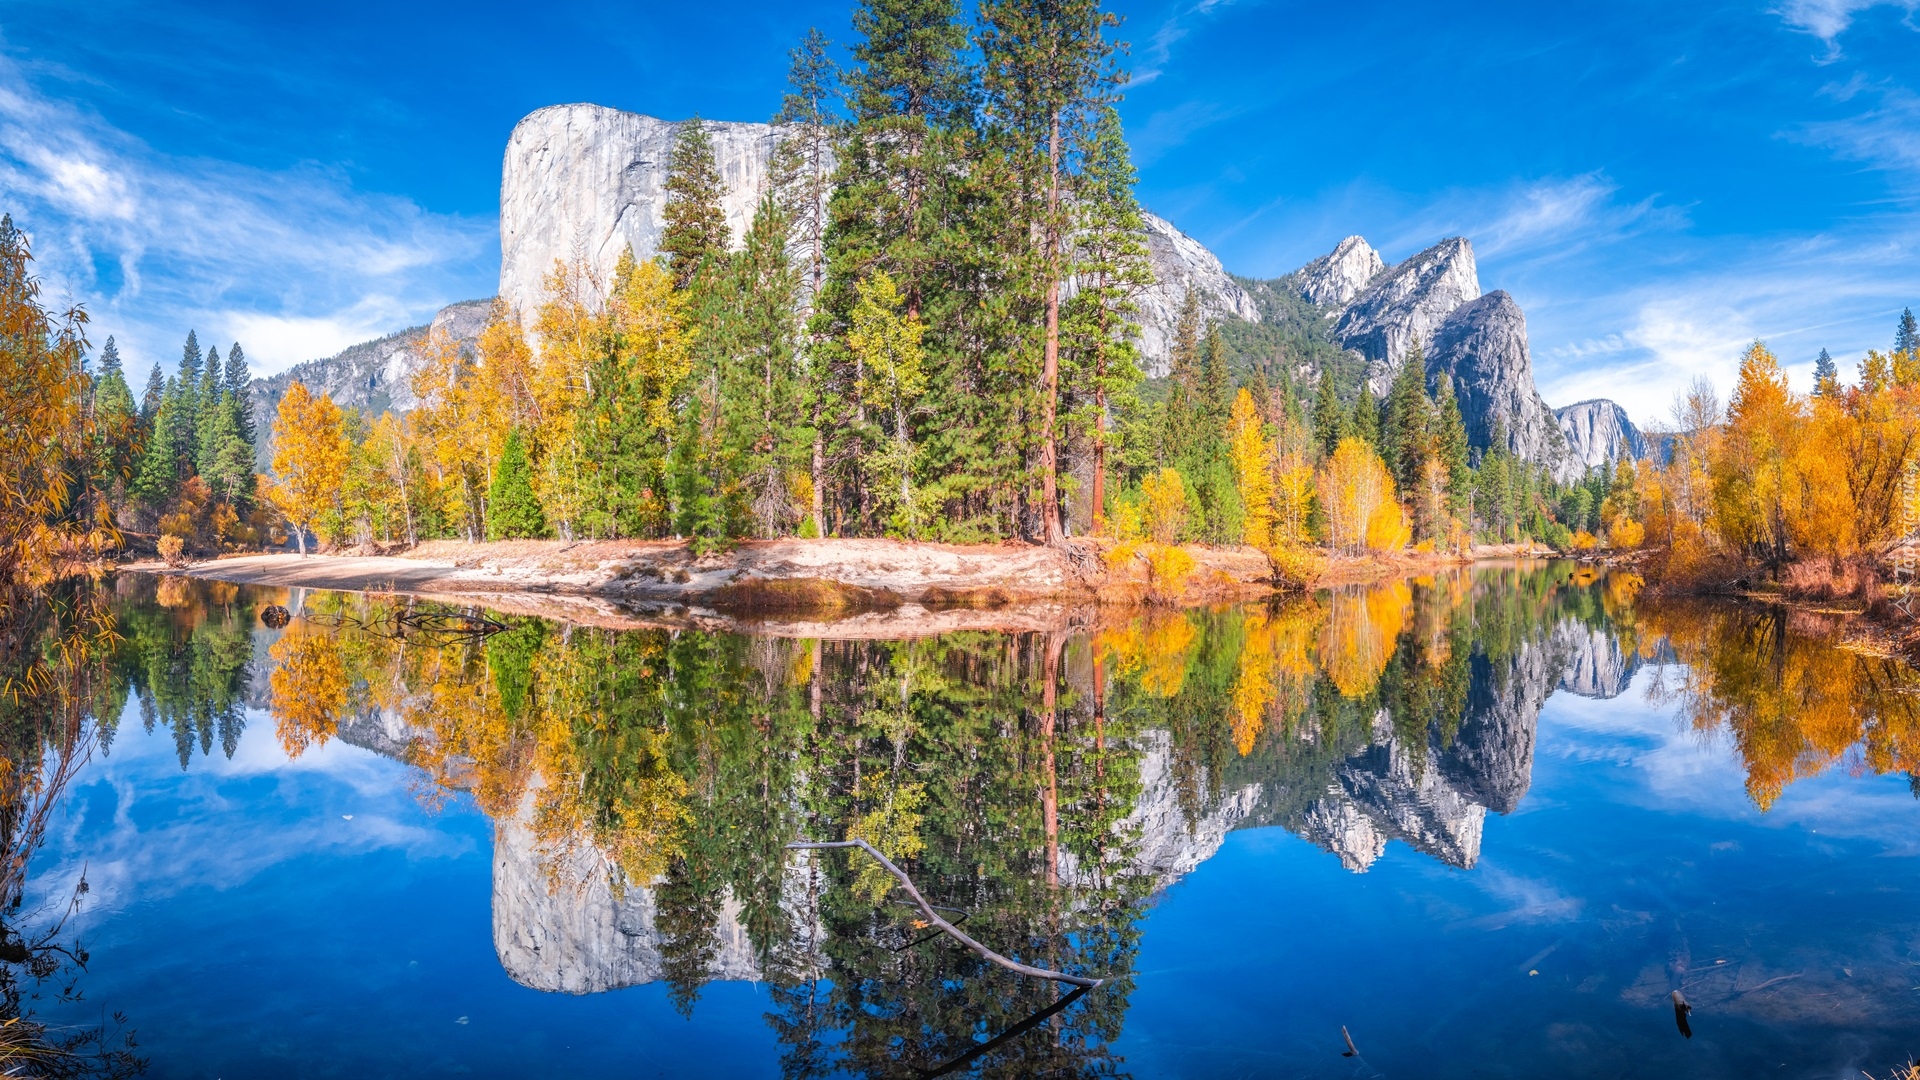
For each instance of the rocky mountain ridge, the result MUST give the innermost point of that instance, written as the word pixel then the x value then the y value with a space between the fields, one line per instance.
pixel 583 184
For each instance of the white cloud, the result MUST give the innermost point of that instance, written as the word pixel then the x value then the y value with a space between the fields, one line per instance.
pixel 1828 19
pixel 1160 45
pixel 293 263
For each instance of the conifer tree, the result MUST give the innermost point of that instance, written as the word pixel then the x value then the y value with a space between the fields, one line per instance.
pixel 1826 375
pixel 211 385
pixel 696 227
pixel 1110 265
pixel 1216 383
pixel 1450 438
pixel 239 382
pixel 116 417
pixel 1363 420
pixel 513 513
pixel 803 165
pixel 1046 75
pixel 1329 420
pixel 1185 412
pixel 150 397
pixel 1404 436
pixel 1906 337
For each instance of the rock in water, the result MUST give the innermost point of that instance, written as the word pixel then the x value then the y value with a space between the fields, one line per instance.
pixel 1482 346
pixel 1598 434
pixel 1334 279
pixel 1409 301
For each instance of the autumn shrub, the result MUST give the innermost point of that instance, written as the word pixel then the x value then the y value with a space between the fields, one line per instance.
pixel 173 550
pixel 1624 532
pixel 1585 541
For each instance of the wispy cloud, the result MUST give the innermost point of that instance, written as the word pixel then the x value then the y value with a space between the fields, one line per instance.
pixel 1159 47
pixel 1828 19
pixel 1886 136
pixel 293 263
pixel 1540 220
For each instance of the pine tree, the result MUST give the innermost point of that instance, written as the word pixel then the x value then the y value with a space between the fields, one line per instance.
pixel 226 459
pixel 1046 75
pixel 513 513
pixel 1216 383
pixel 696 227
pixel 150 398
pixel 1329 420
pixel 1826 375
pixel 1906 337
pixel 1404 437
pixel 239 382
pixel 116 417
pixel 1363 421
pixel 802 168
pixel 1185 410
pixel 1450 438
pixel 1102 371
pixel 211 386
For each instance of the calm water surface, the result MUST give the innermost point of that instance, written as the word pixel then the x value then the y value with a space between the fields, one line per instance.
pixel 1486 822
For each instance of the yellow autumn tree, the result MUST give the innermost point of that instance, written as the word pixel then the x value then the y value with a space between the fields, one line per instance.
pixel 309 461
pixel 1357 496
pixel 1252 458
pixel 1753 478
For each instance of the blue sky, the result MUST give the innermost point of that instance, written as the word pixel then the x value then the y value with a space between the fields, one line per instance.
pixel 1656 183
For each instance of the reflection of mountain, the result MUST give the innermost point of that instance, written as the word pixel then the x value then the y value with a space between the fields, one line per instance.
pixel 1434 795
pixel 559 925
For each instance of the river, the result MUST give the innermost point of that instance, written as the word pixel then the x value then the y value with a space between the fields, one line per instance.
pixel 1487 822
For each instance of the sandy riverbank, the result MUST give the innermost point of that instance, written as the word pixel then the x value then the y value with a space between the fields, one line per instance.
pixel 880 585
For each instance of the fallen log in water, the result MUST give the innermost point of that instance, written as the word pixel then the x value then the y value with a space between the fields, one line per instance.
pixel 933 917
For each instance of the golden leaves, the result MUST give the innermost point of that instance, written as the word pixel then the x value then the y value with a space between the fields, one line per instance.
pixel 309 458
pixel 308 687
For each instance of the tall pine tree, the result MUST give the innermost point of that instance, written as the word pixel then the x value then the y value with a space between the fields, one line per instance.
pixel 695 236
pixel 512 511
pixel 1826 375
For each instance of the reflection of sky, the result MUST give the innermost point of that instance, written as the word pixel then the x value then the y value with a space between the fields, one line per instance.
pixel 1636 844
pixel 249 927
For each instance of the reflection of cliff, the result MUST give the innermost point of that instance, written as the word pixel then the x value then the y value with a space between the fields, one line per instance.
pixel 1434 794
pixel 558 924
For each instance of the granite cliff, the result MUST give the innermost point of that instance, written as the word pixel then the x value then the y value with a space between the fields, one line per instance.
pixel 373 376
pixel 1598 434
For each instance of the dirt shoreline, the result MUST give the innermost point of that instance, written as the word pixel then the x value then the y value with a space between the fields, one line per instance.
pixel 860 587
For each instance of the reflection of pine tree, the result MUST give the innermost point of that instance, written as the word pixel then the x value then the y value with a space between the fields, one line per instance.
pixel 686 913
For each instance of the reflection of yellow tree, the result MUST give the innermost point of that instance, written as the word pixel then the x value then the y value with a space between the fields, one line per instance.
pixel 309 687
pixel 890 823
pixel 1276 666
pixel 1358 636
pixel 1792 702
pixel 1155 646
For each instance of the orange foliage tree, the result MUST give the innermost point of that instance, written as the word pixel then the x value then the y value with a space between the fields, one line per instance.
pixel 309 461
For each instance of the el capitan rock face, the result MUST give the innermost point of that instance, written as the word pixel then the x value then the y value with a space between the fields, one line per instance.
pixel 587 183
pixel 584 183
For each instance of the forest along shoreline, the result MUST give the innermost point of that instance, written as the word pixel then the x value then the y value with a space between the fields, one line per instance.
pixel 806 577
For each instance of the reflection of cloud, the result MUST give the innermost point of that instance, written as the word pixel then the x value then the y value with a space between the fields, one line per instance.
pixel 1664 765
pixel 294 264
pixel 145 832
pixel 1527 900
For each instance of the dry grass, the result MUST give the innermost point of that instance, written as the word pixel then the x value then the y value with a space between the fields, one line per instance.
pixel 809 595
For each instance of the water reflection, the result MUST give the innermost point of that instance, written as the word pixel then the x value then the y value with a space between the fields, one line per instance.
pixel 642 782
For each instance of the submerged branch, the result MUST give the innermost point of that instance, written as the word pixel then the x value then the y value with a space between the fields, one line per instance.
pixel 934 918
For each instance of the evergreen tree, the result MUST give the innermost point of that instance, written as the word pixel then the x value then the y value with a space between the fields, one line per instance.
pixel 226 459
pixel 211 385
pixel 512 510
pixel 1404 437
pixel 1826 375
pixel 1450 439
pixel 1363 421
pixel 1186 411
pixel 150 398
pixel 239 382
pixel 116 417
pixel 1046 74
pixel 696 227
pixel 1906 338
pixel 1216 384
pixel 1329 420
pixel 802 167
pixel 1102 372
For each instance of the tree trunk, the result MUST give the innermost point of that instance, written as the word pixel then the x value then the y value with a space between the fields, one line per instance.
pixel 1050 792
pixel 300 537
pixel 1050 371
